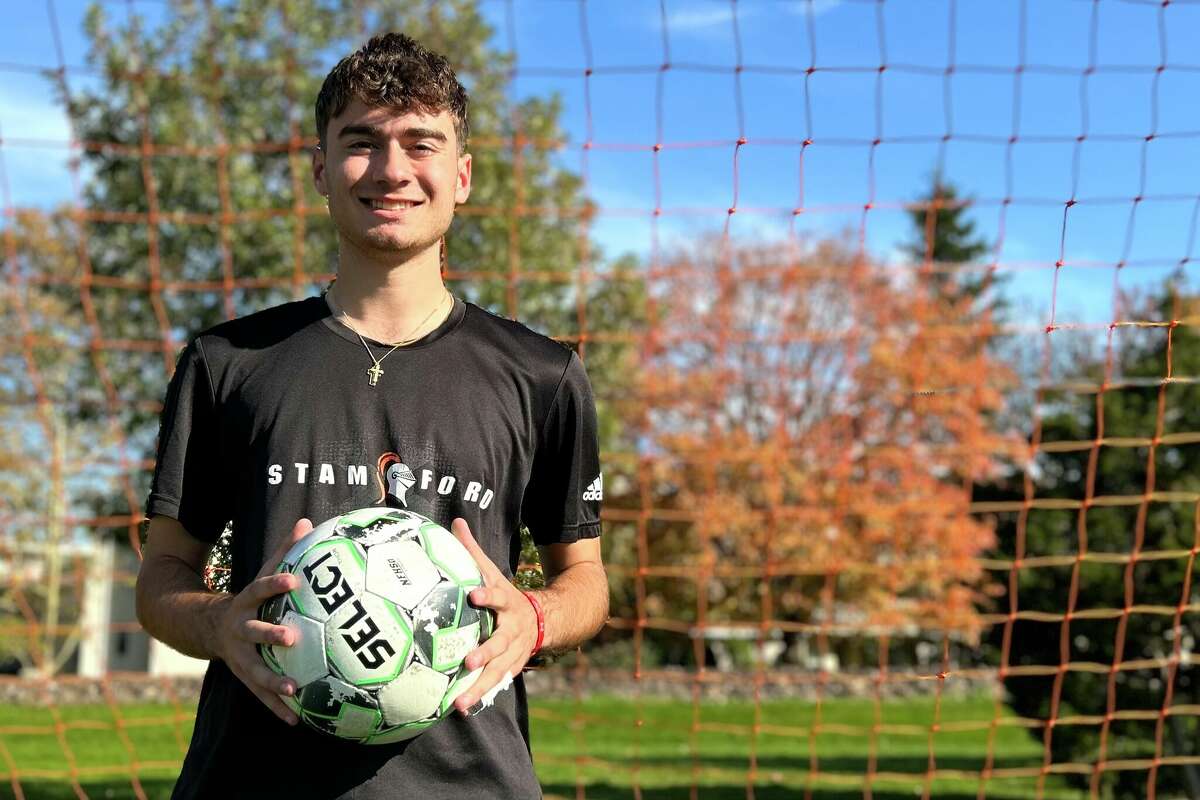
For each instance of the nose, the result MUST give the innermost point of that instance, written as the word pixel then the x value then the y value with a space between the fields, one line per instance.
pixel 392 167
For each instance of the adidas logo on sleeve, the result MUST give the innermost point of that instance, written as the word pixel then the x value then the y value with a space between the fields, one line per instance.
pixel 595 490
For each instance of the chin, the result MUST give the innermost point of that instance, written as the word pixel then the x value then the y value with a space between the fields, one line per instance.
pixel 395 246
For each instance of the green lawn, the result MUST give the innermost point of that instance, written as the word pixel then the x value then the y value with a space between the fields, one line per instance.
pixel 597 744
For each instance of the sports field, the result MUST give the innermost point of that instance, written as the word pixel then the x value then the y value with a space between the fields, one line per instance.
pixel 596 743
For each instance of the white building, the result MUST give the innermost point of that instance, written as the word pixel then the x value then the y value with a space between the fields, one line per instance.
pixel 110 640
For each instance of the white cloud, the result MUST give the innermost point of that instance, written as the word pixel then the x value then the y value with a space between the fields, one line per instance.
pixel 697 17
pixel 818 6
pixel 708 16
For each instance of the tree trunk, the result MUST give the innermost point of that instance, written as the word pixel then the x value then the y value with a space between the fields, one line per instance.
pixel 54 536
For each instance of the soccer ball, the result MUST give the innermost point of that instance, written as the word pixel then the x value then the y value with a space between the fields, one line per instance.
pixel 382 625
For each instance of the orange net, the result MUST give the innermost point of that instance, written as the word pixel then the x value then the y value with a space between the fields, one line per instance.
pixel 918 522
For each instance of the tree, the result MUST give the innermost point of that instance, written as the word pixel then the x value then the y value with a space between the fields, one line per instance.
pixel 43 356
pixel 1104 586
pixel 809 429
pixel 943 238
pixel 199 207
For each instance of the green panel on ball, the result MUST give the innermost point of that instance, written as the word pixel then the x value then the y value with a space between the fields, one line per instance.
pixel 451 645
pixel 439 613
pixel 451 557
pixel 351 722
pixel 415 696
pixel 365 516
pixel 400 733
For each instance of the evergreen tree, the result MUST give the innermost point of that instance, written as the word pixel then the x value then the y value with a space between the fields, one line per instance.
pixel 1110 582
pixel 943 236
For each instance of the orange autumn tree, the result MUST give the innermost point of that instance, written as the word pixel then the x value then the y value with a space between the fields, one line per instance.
pixel 811 426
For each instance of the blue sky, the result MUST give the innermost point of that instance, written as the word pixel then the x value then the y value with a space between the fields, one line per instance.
pixel 843 106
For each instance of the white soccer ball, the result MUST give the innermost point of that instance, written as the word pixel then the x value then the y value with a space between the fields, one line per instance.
pixel 382 624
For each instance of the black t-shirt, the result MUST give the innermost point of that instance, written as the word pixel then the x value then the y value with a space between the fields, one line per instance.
pixel 270 418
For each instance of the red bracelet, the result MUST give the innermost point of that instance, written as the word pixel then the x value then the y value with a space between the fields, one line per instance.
pixel 541 622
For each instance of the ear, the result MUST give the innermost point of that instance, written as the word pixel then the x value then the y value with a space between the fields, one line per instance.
pixel 318 171
pixel 462 187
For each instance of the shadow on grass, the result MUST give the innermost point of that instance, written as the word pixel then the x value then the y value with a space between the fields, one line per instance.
pixel 604 791
pixel 852 765
pixel 160 789
pixel 112 789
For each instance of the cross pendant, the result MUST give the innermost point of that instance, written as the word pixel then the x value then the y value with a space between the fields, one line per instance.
pixel 374 372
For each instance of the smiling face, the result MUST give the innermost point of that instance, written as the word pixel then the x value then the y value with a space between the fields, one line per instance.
pixel 393 179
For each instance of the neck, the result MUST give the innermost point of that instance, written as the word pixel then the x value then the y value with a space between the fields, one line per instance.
pixel 386 301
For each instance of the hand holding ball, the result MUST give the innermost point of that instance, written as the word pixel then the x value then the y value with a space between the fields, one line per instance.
pixel 382 624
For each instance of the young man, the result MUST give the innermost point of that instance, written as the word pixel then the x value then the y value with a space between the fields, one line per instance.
pixel 386 390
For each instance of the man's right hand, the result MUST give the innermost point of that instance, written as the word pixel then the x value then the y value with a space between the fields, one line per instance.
pixel 240 631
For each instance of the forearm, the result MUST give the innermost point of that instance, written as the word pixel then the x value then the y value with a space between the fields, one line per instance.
pixel 575 605
pixel 175 607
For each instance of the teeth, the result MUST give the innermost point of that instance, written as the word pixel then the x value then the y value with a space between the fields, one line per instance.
pixel 391 206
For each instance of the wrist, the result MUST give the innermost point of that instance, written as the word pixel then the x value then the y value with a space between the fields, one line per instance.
pixel 540 616
pixel 212 625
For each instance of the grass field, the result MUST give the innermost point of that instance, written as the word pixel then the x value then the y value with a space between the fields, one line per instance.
pixel 596 743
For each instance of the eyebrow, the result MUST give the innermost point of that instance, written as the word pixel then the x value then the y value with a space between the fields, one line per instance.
pixel 378 133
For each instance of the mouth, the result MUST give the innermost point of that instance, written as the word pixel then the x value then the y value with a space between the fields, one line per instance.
pixel 376 204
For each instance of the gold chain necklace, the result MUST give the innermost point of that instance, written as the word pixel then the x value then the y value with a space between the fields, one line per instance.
pixel 375 372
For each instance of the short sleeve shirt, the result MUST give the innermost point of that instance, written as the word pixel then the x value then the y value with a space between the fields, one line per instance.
pixel 272 417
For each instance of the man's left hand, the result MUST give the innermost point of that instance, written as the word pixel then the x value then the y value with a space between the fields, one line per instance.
pixel 509 647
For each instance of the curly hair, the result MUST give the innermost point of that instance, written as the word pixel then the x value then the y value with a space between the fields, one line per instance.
pixel 395 71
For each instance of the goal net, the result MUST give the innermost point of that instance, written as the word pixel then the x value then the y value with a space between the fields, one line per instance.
pixel 890 314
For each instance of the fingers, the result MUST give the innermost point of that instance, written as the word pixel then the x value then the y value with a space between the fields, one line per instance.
pixel 491 649
pixel 505 652
pixel 497 670
pixel 244 631
pixel 273 701
pixel 491 598
pixel 487 569
pixel 269 687
pixel 301 529
pixel 260 632
pixel 462 532
pixel 278 707
pixel 264 680
pixel 264 588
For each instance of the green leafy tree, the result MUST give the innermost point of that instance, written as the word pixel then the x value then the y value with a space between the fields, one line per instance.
pixel 199 203
pixel 1112 582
